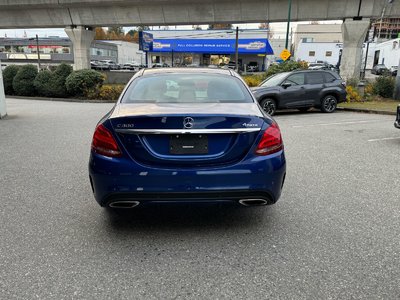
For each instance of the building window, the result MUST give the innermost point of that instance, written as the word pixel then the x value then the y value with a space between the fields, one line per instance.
pixel 311 53
pixel 307 40
pixel 328 53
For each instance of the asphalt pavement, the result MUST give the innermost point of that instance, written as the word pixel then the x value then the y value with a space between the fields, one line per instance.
pixel 334 234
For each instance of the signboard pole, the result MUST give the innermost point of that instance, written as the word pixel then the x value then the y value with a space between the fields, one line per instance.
pixel 237 50
pixel 3 110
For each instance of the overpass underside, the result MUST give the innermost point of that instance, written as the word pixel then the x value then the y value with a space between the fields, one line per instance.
pixel 62 13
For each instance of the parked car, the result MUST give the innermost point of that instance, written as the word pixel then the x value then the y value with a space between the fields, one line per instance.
pixel 158 65
pixel 108 65
pixel 301 90
pixel 379 69
pixel 253 67
pixel 318 66
pixel 393 70
pixel 186 143
pixel 397 122
pixel 133 66
pixel 94 65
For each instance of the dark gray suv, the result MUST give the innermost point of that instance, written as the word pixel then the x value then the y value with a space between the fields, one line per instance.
pixel 301 90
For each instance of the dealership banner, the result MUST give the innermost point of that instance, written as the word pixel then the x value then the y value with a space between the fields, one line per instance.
pixel 213 46
pixel 145 41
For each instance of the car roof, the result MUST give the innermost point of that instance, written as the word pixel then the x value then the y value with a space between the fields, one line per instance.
pixel 149 72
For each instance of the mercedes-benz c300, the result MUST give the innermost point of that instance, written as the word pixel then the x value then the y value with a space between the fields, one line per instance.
pixel 194 135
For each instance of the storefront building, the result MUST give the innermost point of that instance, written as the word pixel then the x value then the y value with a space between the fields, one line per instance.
pixel 55 50
pixel 204 48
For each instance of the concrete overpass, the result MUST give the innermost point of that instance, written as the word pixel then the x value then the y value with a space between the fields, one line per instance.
pixel 80 16
pixel 63 13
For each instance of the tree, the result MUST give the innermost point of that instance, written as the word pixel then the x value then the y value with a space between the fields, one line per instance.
pixel 131 32
pixel 143 27
pixel 220 26
pixel 100 34
pixel 118 30
pixel 264 26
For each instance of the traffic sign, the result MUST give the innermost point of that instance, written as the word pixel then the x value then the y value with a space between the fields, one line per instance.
pixel 285 54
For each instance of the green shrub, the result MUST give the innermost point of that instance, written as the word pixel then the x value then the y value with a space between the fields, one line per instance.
pixel 254 80
pixel 106 92
pixel 8 77
pixel 23 81
pixel 384 86
pixel 41 83
pixel 82 82
pixel 353 82
pixel 57 81
pixel 286 66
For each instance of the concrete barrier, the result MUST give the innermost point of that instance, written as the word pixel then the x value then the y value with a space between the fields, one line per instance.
pixel 118 77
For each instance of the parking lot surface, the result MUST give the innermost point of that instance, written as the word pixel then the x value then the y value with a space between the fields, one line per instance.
pixel 334 234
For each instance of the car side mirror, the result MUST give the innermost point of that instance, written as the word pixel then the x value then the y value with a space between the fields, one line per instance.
pixel 285 85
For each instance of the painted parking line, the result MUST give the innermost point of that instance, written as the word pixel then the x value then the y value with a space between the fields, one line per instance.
pixel 336 123
pixel 384 139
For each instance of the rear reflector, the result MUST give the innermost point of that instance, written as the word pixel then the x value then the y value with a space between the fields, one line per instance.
pixel 271 142
pixel 104 143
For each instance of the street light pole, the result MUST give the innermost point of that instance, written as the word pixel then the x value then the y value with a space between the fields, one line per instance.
pixel 288 24
pixel 37 50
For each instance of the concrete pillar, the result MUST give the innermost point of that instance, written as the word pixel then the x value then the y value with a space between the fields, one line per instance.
pixel 81 38
pixel 3 110
pixel 354 33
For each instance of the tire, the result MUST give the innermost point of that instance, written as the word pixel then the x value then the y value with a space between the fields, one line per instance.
pixel 268 105
pixel 304 109
pixel 328 104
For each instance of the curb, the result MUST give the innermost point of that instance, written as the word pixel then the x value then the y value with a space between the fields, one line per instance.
pixel 61 99
pixel 368 111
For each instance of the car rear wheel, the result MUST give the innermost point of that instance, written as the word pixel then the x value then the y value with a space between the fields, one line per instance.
pixel 268 105
pixel 328 104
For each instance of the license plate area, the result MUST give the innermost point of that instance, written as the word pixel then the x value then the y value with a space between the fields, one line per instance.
pixel 188 144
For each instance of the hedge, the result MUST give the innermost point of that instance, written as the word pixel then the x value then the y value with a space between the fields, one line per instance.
pixel 23 81
pixel 8 77
pixel 82 82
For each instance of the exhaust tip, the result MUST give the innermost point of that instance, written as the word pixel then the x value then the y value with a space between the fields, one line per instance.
pixel 253 202
pixel 124 204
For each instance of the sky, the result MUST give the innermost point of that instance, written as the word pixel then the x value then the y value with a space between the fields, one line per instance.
pixel 279 29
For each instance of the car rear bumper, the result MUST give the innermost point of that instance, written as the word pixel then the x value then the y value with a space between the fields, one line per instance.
pixel 115 180
pixel 397 122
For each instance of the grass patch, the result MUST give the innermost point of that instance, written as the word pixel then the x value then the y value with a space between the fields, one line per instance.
pixel 381 105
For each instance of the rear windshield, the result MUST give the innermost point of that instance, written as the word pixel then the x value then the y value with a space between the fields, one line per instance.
pixel 186 88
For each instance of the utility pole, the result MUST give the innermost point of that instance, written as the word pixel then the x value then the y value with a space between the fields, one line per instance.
pixel 3 110
pixel 237 50
pixel 288 24
pixel 38 52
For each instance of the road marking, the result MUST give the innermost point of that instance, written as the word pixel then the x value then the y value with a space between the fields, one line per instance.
pixel 336 123
pixel 384 139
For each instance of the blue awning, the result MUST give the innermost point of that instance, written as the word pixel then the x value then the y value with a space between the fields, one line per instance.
pixel 213 46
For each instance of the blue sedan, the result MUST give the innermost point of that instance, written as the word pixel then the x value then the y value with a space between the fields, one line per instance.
pixel 194 135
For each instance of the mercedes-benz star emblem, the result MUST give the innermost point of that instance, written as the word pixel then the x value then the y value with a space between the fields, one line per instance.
pixel 188 122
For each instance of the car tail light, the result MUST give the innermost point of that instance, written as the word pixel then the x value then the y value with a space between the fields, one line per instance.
pixel 271 141
pixel 104 143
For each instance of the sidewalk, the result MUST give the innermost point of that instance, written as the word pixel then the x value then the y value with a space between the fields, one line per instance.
pixel 385 107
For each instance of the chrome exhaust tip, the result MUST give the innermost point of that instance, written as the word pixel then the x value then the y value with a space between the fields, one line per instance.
pixel 253 202
pixel 124 204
